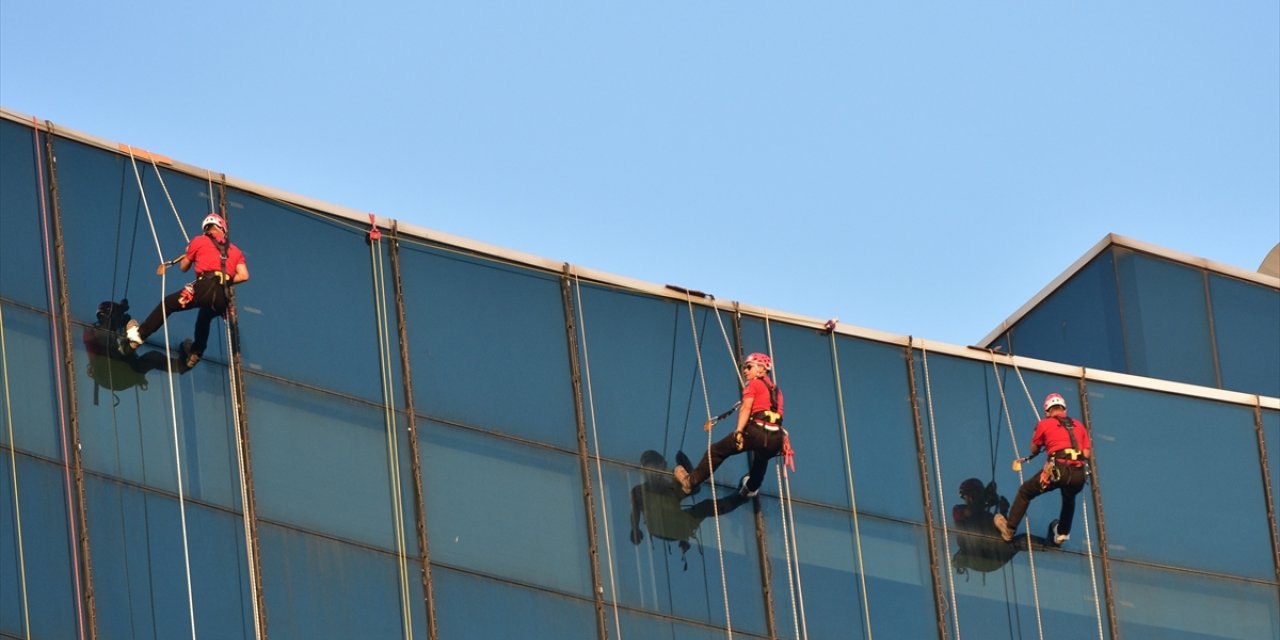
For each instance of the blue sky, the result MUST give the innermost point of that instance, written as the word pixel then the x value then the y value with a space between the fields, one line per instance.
pixel 920 168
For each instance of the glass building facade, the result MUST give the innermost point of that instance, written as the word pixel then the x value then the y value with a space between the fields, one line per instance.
pixel 503 470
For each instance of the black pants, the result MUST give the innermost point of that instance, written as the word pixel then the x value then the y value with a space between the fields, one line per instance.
pixel 210 298
pixel 764 443
pixel 1070 481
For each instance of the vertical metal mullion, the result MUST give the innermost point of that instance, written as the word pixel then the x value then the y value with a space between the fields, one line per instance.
pixel 242 416
pixel 1096 490
pixel 939 601
pixel 1213 332
pixel 419 502
pixel 1265 465
pixel 575 374
pixel 63 316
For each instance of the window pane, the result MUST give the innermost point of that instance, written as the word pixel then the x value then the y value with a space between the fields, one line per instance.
pixel 505 509
pixel 881 428
pixel 1146 443
pixel 1079 323
pixel 22 239
pixel 310 302
pixel 139 566
pixel 1156 603
pixel 30 407
pixel 1246 323
pixel 317 587
pixel 466 605
pixel 644 387
pixel 320 463
pixel 668 562
pixel 45 550
pixel 1271 436
pixel 1163 304
pixel 495 361
pixel 637 625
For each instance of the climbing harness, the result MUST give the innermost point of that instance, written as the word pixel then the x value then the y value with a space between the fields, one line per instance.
pixel 853 497
pixel 389 421
pixel 595 436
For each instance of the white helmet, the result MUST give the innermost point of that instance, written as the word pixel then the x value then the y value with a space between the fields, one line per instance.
pixel 1054 400
pixel 214 219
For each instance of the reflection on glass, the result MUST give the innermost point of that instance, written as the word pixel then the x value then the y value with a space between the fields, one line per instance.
pixel 1158 603
pixel 1079 323
pixel 466 605
pixel 21 238
pixel 46 549
pixel 1245 317
pixel 29 363
pixel 1162 304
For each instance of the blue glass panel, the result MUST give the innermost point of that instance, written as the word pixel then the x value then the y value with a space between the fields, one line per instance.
pixel 139 566
pixel 22 240
pixel 637 625
pixel 316 587
pixel 1271 437
pixel 1163 304
pixel 669 562
pixel 308 314
pixel 1177 605
pixel 45 552
pixel 898 590
pixel 489 344
pixel 1145 443
pixel 1079 323
pixel 30 405
pixel 465 606
pixel 129 433
pixel 321 463
pixel 1246 323
pixel 881 428
pixel 644 388
pixel 505 509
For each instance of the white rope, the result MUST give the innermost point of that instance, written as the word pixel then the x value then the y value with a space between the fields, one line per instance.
pixel 173 207
pixel 173 407
pixel 1013 438
pixel 857 533
pixel 1084 511
pixel 789 538
pixel 595 437
pixel 393 445
pixel 715 507
pixel 946 536
pixel 244 483
pixel 13 470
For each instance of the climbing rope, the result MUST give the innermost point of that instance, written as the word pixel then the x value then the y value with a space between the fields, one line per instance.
pixel 1084 511
pixel 173 408
pixel 57 379
pixel 848 461
pixel 13 470
pixel 244 483
pixel 791 550
pixel 937 465
pixel 389 419
pixel 715 507
pixel 1013 438
pixel 595 437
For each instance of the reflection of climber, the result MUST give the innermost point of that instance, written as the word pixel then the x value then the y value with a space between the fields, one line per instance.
pixel 107 365
pixel 981 548
pixel 657 500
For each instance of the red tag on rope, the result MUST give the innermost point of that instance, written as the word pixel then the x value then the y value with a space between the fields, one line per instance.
pixel 374 234
pixel 788 454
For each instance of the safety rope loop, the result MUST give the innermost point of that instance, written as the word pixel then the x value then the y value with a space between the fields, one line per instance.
pixel 937 467
pixel 715 507
pixel 1013 439
pixel 595 436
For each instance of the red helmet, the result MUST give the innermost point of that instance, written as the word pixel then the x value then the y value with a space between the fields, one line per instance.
pixel 214 219
pixel 1054 400
pixel 761 359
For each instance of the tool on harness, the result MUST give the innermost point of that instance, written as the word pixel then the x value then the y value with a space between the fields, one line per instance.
pixel 164 265
pixel 707 426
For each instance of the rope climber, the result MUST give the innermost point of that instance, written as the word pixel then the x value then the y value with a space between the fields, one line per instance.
pixel 219 265
pixel 758 429
pixel 1066 470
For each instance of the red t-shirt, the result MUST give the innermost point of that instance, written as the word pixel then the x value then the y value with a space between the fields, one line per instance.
pixel 204 254
pixel 1051 435
pixel 759 394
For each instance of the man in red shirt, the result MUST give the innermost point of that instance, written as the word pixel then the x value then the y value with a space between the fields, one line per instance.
pixel 219 264
pixel 759 430
pixel 1066 470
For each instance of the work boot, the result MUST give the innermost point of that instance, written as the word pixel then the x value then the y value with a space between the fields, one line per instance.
pixel 682 477
pixel 1003 525
pixel 192 360
pixel 1059 538
pixel 131 332
pixel 742 488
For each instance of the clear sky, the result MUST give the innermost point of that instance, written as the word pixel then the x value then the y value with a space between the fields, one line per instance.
pixel 921 168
